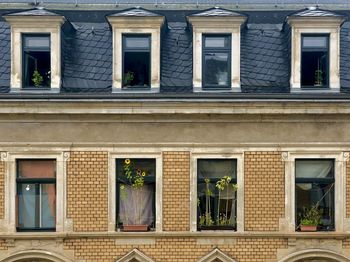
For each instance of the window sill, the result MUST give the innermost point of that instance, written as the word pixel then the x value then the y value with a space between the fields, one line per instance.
pixel 217 90
pixel 135 90
pixel 317 90
pixel 35 90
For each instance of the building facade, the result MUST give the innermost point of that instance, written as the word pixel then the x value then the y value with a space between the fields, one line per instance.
pixel 179 132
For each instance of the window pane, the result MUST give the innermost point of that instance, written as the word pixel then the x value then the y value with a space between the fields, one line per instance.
pixel 216 168
pixel 36 168
pixel 37 69
pixel 316 194
pixel 48 205
pixel 216 69
pixel 314 169
pixel 315 41
pixel 314 68
pixel 37 41
pixel 26 205
pixel 216 41
pixel 137 42
pixel 136 69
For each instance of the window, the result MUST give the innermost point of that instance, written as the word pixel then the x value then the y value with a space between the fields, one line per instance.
pixel 136 61
pixel 36 60
pixel 36 195
pixel 216 194
pixel 216 61
pixel 314 60
pixel 314 192
pixel 135 190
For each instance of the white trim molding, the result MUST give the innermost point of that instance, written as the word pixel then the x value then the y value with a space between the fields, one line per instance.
pixel 217 25
pixel 196 155
pixel 134 153
pixel 34 255
pixel 215 255
pixel 136 25
pixel 8 224
pixel 133 255
pixel 316 254
pixel 21 24
pixel 340 158
pixel 315 25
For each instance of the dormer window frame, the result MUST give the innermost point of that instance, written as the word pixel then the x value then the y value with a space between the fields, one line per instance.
pixel 315 25
pixel 123 24
pixel 229 24
pixel 35 25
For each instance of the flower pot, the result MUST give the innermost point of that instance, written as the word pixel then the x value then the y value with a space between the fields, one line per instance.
pixel 135 228
pixel 308 228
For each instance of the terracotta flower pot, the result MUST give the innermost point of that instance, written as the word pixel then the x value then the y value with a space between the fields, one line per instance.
pixel 135 228
pixel 308 228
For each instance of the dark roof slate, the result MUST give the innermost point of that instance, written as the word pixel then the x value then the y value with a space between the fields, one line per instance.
pixel 315 12
pixel 214 12
pixel 135 12
pixel 5 56
pixel 34 12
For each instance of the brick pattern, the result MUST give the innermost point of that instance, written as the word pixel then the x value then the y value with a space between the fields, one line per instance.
pixel 3 245
pixel 176 249
pixel 264 190
pixel 2 187
pixel 176 191
pixel 87 191
pixel 348 189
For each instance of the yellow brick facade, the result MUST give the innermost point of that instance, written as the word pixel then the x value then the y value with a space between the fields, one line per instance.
pixel 176 191
pixel 264 190
pixel 87 191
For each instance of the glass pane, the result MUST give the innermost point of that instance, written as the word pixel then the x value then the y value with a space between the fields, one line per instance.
pixel 216 41
pixel 314 169
pixel 315 41
pixel 216 168
pixel 26 205
pixel 137 42
pixel 37 41
pixel 316 195
pixel 216 69
pixel 37 69
pixel 36 168
pixel 314 69
pixel 48 205
pixel 136 69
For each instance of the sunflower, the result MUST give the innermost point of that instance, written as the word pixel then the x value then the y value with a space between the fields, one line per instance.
pixel 143 173
pixel 127 161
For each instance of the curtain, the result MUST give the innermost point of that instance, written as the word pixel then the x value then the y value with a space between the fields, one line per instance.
pixel 136 205
pixel 216 168
pixel 26 206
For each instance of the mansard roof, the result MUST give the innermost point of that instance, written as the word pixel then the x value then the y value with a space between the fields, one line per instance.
pixel 34 12
pixel 135 12
pixel 216 12
pixel 315 12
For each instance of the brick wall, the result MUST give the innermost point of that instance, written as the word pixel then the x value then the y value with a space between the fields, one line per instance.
pixel 176 191
pixel 264 190
pixel 2 192
pixel 87 190
pixel 176 249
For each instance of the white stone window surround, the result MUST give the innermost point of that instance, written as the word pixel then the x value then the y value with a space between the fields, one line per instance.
pixel 112 184
pixel 309 26
pixel 240 183
pixel 340 159
pixel 35 25
pixel 142 26
pixel 217 25
pixel 8 223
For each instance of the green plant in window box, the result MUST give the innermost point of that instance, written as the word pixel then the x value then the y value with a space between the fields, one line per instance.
pixel 37 78
pixel 128 78
pixel 135 181
pixel 311 218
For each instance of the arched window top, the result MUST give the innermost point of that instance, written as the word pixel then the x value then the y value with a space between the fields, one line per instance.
pixel 37 255
pixel 135 256
pixel 216 256
pixel 316 254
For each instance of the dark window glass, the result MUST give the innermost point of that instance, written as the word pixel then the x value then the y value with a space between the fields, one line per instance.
pixel 314 188
pixel 136 192
pixel 36 195
pixel 136 60
pixel 216 61
pixel 36 61
pixel 314 61
pixel 216 193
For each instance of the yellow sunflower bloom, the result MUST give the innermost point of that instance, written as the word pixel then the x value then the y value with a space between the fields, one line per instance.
pixel 127 161
pixel 143 173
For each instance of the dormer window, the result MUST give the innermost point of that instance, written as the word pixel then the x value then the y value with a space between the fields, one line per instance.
pixel 36 50
pixel 36 61
pixel 216 50
pixel 315 50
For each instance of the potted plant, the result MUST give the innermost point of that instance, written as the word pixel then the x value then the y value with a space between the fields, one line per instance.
pixel 131 192
pixel 128 78
pixel 37 78
pixel 311 219
pixel 223 220
pixel 318 75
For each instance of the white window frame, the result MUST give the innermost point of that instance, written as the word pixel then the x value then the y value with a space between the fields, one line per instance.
pixel 112 198
pixel 136 25
pixel 315 25
pixel 38 25
pixel 8 224
pixel 340 159
pixel 239 157
pixel 217 25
